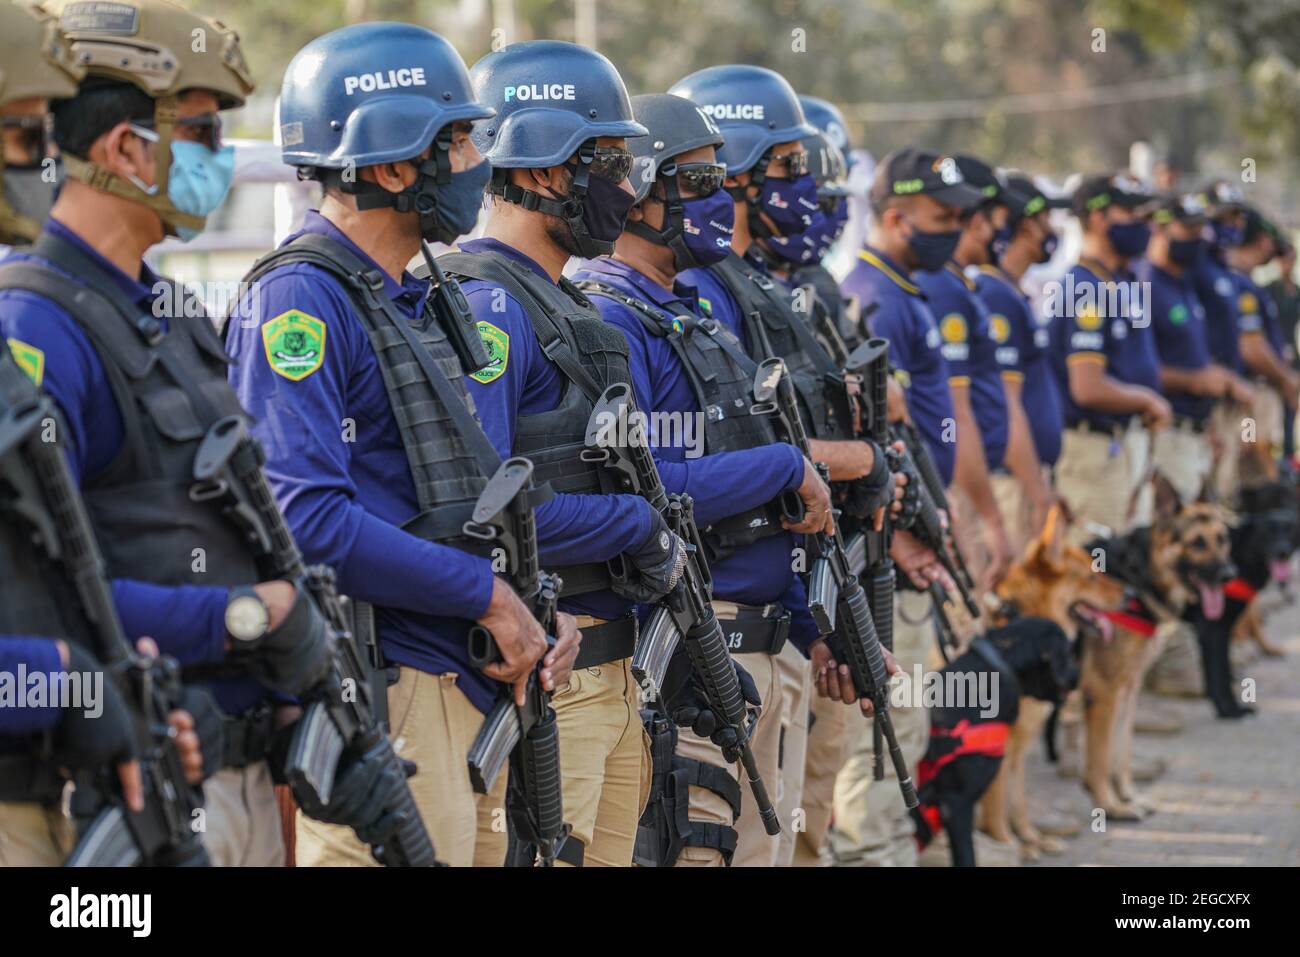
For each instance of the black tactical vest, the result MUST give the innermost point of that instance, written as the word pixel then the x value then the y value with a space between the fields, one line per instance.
pixel 774 328
pixel 29 600
pixel 449 457
pixel 829 322
pixel 591 356
pixel 169 387
pixel 721 377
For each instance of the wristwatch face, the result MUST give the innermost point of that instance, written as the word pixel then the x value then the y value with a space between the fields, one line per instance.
pixel 246 618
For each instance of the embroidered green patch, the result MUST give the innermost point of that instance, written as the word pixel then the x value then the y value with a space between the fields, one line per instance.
pixel 1178 314
pixel 30 359
pixel 497 343
pixel 294 344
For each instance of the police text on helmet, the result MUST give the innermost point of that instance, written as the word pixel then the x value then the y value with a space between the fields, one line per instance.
pixel 734 111
pixel 384 80
pixel 541 91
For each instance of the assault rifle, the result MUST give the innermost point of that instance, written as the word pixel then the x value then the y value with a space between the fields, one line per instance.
pixel 684 616
pixel 835 595
pixel 341 711
pixel 46 497
pixel 529 736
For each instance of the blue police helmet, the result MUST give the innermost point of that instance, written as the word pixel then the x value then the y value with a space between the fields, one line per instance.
pixel 826 116
pixel 372 93
pixel 675 125
pixel 755 108
pixel 550 97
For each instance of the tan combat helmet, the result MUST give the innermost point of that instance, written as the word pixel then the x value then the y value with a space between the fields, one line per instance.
pixel 163 49
pixel 35 62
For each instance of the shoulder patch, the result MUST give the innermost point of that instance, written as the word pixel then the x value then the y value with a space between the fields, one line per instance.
pixel 1088 318
pixel 999 327
pixel 706 306
pixel 30 359
pixel 953 327
pixel 294 343
pixel 1178 313
pixel 1247 303
pixel 497 343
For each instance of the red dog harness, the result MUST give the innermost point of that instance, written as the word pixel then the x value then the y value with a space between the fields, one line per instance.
pixel 1134 616
pixel 988 738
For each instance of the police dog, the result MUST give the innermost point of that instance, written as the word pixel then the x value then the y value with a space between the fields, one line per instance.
pixel 1028 658
pixel 1176 567
pixel 1057 581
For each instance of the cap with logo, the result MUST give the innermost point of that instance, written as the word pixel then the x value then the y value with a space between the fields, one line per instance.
pixel 984 178
pixel 1223 197
pixel 372 93
pixel 550 98
pixel 916 172
pixel 755 109
pixel 153 45
pixel 1101 191
pixel 1023 197
pixel 1190 208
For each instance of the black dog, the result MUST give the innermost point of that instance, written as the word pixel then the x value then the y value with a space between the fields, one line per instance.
pixel 1029 656
pixel 1262 543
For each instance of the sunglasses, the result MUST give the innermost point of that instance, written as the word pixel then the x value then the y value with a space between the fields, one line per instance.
pixel 204 128
pixel 32 136
pixel 699 179
pixel 788 165
pixel 612 163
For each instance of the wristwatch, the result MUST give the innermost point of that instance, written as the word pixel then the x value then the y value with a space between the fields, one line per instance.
pixel 247 618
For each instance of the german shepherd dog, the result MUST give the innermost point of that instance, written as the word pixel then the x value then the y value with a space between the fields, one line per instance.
pixel 1177 566
pixel 1057 581
pixel 1028 658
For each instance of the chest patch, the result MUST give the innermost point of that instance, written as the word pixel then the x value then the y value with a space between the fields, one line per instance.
pixel 497 343
pixel 295 344
pixel 30 359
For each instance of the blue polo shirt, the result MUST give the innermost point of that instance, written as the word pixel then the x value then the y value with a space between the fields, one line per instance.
pixel 904 317
pixel 187 622
pixel 1218 295
pixel 1256 310
pixel 1099 317
pixel 336 464
pixel 1020 337
pixel 969 350
pixel 571 529
pixel 1181 332
pixel 722 484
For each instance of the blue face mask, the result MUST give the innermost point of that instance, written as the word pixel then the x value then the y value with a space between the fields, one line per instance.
pixel 832 227
pixel 801 247
pixel 198 180
pixel 1225 234
pixel 1184 251
pixel 459 202
pixel 1047 249
pixel 933 249
pixel 1129 239
pixel 790 203
pixel 999 243
pixel 707 225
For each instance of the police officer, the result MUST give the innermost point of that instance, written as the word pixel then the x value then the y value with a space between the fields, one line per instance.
pixel 558 146
pixel 979 403
pixel 1104 360
pixel 38 68
pixel 90 322
pixel 1020 336
pixel 1260 342
pixel 359 394
pixel 685 365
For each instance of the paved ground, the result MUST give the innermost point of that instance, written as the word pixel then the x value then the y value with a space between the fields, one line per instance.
pixel 1231 793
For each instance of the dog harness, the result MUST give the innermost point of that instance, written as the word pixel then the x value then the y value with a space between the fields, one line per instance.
pixel 988 738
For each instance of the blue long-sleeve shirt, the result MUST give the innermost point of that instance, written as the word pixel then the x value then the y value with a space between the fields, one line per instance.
pixel 22 653
pixel 51 347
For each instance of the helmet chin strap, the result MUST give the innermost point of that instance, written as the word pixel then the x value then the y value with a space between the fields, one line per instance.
pixel 671 235
pixel 753 212
pixel 568 207
pixel 420 197
pixel 105 181
pixel 14 226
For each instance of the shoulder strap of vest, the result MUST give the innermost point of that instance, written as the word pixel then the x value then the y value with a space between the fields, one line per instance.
pixel 655 322
pixel 745 287
pixel 492 267
pixel 365 287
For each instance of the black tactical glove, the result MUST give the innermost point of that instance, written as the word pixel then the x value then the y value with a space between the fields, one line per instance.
pixel 106 736
pixel 296 655
pixel 911 504
pixel 688 705
pixel 209 725
pixel 366 787
pixel 657 565
pixel 864 496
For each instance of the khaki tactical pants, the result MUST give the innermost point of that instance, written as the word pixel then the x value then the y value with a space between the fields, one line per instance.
pixel 1182 455
pixel 828 745
pixel 1013 506
pixel 872 826
pixel 604 761
pixel 434 725
pixel 795 674
pixel 242 818
pixel 1226 425
pixel 754 847
pixel 33 835
pixel 1095 475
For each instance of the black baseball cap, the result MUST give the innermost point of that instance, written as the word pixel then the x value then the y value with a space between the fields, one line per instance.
pixel 1190 208
pixel 915 172
pixel 1223 197
pixel 1023 198
pixel 1109 189
pixel 983 177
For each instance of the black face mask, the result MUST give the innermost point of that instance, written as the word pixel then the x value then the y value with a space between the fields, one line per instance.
pixel 933 248
pixel 1184 251
pixel 605 206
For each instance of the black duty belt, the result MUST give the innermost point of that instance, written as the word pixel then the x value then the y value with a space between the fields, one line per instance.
pixel 27 778
pixel 753 629
pixel 246 737
pixel 605 641
pixel 1187 422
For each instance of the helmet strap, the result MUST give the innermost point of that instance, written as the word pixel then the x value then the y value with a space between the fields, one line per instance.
pixel 568 208
pixel 419 198
pixel 672 233
pixel 757 177
pixel 98 178
pixel 14 226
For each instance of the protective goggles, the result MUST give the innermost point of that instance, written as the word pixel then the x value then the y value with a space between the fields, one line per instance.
pixel 32 134
pixel 204 128
pixel 697 179
pixel 613 163
pixel 788 165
